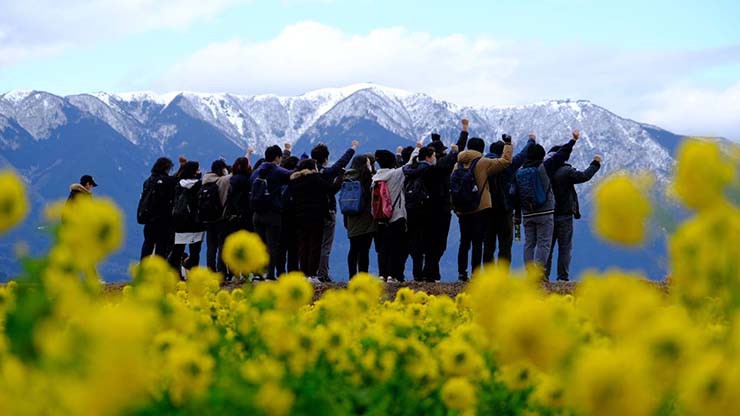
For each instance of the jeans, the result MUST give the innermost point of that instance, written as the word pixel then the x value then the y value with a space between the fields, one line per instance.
pixel 158 239
pixel 268 225
pixel 310 236
pixel 175 257
pixel 215 237
pixel 538 239
pixel 472 231
pixel 563 236
pixel 358 258
pixel 392 248
pixel 327 242
pixel 501 229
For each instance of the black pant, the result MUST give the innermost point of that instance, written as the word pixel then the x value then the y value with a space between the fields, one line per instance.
pixel 158 239
pixel 472 230
pixel 563 236
pixel 288 247
pixel 358 258
pixel 310 235
pixel 215 237
pixel 268 225
pixel 501 229
pixel 436 233
pixel 392 249
pixel 175 257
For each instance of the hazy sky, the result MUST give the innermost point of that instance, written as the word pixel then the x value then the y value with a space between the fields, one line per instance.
pixel 671 63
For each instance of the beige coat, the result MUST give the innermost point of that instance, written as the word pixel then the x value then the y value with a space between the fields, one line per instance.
pixel 485 168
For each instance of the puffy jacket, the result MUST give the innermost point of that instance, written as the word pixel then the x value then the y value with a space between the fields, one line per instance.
pixel 563 181
pixel 362 223
pixel 309 191
pixel 483 169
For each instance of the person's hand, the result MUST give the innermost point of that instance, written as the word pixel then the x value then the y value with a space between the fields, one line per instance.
pixel 182 160
pixel 355 144
pixel 576 134
pixel 597 158
pixel 399 149
pixel 465 124
pixel 532 136
pixel 506 138
pixel 287 146
pixel 454 148
pixel 419 145
pixel 250 150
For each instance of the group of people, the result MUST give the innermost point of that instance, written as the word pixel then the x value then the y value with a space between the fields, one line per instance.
pixel 402 202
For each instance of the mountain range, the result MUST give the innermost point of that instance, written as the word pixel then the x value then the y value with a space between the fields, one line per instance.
pixel 52 140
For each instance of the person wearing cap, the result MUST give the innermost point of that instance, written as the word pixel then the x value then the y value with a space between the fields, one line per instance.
pixel 84 188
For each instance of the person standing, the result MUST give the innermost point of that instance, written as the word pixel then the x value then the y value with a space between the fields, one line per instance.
pixel 472 199
pixel 320 154
pixel 288 257
pixel 155 210
pixel 566 209
pixel 358 218
pixel 535 199
pixel 501 219
pixel 267 181
pixel 309 192
pixel 84 188
pixel 419 210
pixel 188 229
pixel 211 203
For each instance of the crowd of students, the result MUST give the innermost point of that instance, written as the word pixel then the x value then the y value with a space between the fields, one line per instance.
pixel 402 202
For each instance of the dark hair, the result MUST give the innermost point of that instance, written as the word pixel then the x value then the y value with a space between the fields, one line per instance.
pixel 359 164
pixel 290 163
pixel 536 152
pixel 189 170
pixel 218 167
pixel 476 144
pixel 273 152
pixel 406 153
pixel 320 153
pixel 162 166
pixel 497 147
pixel 385 159
pixel 308 164
pixel 241 166
pixel 426 152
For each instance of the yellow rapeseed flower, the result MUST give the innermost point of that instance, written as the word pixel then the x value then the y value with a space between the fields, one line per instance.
pixel 274 400
pixel 622 208
pixel 459 394
pixel 245 253
pixel 93 228
pixel 13 200
pixel 702 173
pixel 293 292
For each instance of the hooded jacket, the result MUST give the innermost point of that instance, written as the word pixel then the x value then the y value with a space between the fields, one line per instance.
pixel 309 193
pixel 563 181
pixel 483 169
pixel 547 168
pixel 362 223
pixel 395 179
pixel 188 188
pixel 222 182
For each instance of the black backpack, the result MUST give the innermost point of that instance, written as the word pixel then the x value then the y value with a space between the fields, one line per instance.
pixel 184 210
pixel 145 211
pixel 416 194
pixel 209 204
pixel 233 212
pixel 261 198
pixel 464 188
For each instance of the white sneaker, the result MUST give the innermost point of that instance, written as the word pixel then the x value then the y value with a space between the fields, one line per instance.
pixel 313 280
pixel 391 280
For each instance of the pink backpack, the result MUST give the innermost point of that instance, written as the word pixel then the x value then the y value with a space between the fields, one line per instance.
pixel 382 206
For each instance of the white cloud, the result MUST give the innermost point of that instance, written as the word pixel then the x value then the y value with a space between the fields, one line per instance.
pixel 467 71
pixel 30 28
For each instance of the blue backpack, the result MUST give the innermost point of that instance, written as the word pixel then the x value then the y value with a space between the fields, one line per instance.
pixel 532 193
pixel 350 198
pixel 464 189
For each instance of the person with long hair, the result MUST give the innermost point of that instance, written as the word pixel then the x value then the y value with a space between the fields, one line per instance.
pixel 188 230
pixel 155 210
pixel 360 227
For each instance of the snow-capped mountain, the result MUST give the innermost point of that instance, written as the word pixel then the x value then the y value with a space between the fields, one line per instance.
pixel 52 139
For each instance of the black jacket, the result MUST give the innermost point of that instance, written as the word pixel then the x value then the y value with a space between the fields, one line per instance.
pixel 437 177
pixel 309 193
pixel 164 192
pixel 333 172
pixel 188 223
pixel 238 201
pixel 563 181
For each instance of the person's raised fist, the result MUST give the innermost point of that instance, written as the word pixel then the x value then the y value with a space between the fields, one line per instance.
pixel 465 124
pixel 355 144
pixel 399 149
pixel 454 148
pixel 597 158
pixel 576 135
pixel 287 146
pixel 419 145
pixel 532 136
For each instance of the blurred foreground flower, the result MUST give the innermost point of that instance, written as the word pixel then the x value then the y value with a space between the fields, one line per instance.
pixel 622 208
pixel 13 200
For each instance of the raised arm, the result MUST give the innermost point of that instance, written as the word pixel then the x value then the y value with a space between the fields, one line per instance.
pixel 286 151
pixel 342 163
pixel 561 156
pixel 462 141
pixel 577 176
pixel 521 157
pixel 497 165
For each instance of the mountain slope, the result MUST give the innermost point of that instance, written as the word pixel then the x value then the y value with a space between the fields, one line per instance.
pixel 52 140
